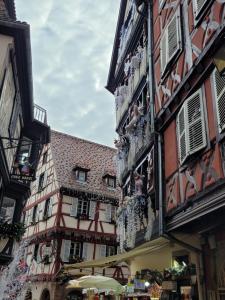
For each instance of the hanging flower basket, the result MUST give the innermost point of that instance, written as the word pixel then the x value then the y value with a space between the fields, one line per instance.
pixel 12 231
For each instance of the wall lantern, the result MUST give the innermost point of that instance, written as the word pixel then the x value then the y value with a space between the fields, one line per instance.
pixel 219 60
pixel 139 2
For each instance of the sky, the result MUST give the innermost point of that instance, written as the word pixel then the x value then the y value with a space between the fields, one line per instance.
pixel 72 44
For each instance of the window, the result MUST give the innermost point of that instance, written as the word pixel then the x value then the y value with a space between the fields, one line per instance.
pixel 110 181
pixel 191 126
pixel 36 248
pixel 110 250
pixel 171 44
pixel 81 175
pixel 219 87
pixel 82 208
pixel 75 250
pixel 42 181
pixel 45 158
pixel 48 208
pixel 34 216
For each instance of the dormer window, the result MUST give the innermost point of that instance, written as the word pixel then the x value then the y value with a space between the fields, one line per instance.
pixel 80 174
pixel 110 181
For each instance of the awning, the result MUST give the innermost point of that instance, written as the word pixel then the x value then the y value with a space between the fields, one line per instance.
pixel 124 257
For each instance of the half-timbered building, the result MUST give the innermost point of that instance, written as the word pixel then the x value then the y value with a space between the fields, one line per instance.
pixel 23 126
pixel 189 106
pixel 166 74
pixel 70 216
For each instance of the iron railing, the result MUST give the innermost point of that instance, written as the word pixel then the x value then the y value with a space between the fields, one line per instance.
pixel 40 114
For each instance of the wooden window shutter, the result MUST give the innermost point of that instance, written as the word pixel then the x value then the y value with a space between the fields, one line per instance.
pixel 47 252
pixel 85 251
pixel 108 213
pixel 163 51
pixel 73 210
pixel 171 43
pixel 191 126
pixel 102 251
pixel 92 210
pixel 198 6
pixel 35 185
pixel 45 179
pixel 219 86
pixel 38 255
pixel 65 250
pixel 196 122
pixel 31 215
pixel 161 3
pixel 50 207
pixel 181 132
pixel 174 36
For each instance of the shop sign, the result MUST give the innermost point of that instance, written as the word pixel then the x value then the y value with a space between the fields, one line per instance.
pixel 22 177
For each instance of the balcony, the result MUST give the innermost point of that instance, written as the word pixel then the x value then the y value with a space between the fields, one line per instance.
pixel 40 114
pixel 125 93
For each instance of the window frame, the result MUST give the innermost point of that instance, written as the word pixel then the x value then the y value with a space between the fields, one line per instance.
pixel 77 244
pixel 107 181
pixel 78 172
pixel 109 249
pixel 41 182
pixel 80 207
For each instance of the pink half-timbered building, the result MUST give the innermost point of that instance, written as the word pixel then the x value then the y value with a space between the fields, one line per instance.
pixel 70 215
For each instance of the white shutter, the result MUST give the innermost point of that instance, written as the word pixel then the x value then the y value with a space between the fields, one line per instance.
pixel 39 214
pixel 92 209
pixel 219 87
pixel 174 36
pixel 191 126
pixel 108 213
pixel 48 252
pixel 45 179
pixel 196 122
pixel 39 255
pixel 73 210
pixel 50 207
pixel 31 215
pixel 41 210
pixel 198 6
pixel 170 44
pixel 35 185
pixel 65 250
pixel 163 51
pixel 181 131
pixel 102 251
pixel 85 251
pixel 161 3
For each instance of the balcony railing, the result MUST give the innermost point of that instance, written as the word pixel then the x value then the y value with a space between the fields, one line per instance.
pixel 40 114
pixel 126 92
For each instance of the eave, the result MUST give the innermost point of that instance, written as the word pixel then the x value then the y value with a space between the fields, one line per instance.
pixel 21 34
pixel 112 68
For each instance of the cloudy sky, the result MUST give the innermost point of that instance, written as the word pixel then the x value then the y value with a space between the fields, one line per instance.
pixel 71 48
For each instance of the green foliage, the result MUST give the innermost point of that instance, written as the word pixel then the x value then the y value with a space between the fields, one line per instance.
pixel 12 231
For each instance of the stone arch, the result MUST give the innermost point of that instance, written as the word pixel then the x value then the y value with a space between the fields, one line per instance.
pixel 45 295
pixel 28 295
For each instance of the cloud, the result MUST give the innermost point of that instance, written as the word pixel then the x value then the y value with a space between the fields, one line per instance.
pixel 71 48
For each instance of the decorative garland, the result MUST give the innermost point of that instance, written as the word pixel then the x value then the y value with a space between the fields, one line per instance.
pixel 12 231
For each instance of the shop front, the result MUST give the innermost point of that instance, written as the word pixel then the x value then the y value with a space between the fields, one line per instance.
pixel 162 269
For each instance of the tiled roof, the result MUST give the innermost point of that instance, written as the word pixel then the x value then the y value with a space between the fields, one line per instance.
pixel 69 151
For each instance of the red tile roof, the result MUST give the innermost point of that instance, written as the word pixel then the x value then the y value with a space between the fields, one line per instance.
pixel 69 152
